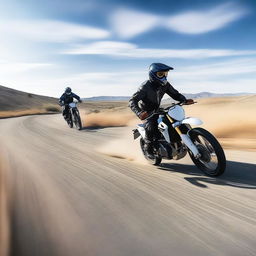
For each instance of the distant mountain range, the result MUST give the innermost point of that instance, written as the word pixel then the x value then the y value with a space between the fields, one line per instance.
pixel 187 95
pixel 108 98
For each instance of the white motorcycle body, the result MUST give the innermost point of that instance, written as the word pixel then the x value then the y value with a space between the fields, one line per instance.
pixel 177 113
pixel 72 104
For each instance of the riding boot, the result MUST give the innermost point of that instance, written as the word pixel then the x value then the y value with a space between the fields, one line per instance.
pixel 149 148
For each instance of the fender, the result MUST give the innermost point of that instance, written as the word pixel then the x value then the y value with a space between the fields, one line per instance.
pixel 192 121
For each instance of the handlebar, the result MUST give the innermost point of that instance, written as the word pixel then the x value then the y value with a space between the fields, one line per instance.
pixel 66 104
pixel 165 110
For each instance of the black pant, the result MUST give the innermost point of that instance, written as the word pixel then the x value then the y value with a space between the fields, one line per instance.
pixel 65 110
pixel 151 127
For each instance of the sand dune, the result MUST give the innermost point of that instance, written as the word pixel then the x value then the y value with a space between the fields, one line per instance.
pixel 230 119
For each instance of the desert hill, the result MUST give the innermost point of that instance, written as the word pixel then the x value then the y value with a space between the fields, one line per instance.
pixel 11 99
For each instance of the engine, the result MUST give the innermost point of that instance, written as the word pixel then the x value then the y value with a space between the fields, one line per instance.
pixel 174 151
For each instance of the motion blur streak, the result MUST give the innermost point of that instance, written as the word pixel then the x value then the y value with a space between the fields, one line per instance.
pixel 4 210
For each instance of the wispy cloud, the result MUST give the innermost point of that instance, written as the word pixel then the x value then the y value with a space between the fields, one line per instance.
pixel 129 23
pixel 198 22
pixel 51 30
pixel 220 69
pixel 20 67
pixel 235 75
pixel 128 50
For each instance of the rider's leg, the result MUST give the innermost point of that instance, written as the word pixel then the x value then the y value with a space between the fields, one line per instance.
pixel 65 112
pixel 151 127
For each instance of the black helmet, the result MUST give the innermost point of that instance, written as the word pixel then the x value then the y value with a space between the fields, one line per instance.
pixel 68 90
pixel 160 68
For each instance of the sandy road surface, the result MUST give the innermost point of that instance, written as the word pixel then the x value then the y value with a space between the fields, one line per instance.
pixel 68 199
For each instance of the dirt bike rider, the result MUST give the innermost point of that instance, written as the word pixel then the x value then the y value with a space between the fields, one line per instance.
pixel 66 98
pixel 148 98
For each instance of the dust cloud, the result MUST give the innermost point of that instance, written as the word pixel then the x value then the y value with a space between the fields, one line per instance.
pixel 107 119
pixel 124 147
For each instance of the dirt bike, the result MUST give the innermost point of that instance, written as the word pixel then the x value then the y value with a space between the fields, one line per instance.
pixel 73 116
pixel 177 138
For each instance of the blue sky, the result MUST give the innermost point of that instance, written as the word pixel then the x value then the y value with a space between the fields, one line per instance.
pixel 101 47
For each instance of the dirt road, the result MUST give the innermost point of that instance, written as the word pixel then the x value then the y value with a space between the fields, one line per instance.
pixel 69 199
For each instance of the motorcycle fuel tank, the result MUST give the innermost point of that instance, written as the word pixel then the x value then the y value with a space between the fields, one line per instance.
pixel 177 113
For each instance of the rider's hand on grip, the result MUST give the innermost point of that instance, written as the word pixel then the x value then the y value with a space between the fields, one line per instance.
pixel 189 102
pixel 143 115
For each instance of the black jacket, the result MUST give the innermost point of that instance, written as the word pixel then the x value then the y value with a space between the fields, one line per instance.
pixel 149 95
pixel 68 98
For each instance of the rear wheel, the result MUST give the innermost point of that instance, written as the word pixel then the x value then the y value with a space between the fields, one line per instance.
pixel 77 119
pixel 212 161
pixel 156 160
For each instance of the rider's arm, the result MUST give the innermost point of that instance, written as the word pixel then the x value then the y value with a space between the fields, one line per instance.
pixel 133 102
pixel 175 94
pixel 76 96
pixel 61 98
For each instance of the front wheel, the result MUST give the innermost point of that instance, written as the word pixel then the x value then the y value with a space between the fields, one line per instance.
pixel 212 161
pixel 156 160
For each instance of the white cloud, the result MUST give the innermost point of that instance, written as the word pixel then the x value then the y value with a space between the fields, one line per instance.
pixel 104 48
pixel 51 30
pixel 129 50
pixel 195 22
pixel 129 23
pixel 12 68
pixel 236 75
pixel 218 70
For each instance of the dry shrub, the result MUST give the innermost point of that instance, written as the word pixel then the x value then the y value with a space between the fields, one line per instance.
pixel 5 114
pixel 52 108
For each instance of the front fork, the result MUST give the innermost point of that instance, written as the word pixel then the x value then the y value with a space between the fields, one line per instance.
pixel 186 140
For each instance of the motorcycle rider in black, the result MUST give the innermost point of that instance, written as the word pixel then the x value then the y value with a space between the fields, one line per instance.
pixel 66 98
pixel 148 99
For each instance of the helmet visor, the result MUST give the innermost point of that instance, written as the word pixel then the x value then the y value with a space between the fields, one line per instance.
pixel 162 74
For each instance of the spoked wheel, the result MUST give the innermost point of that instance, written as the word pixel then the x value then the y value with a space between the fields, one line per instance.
pixel 212 161
pixel 77 120
pixel 156 160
